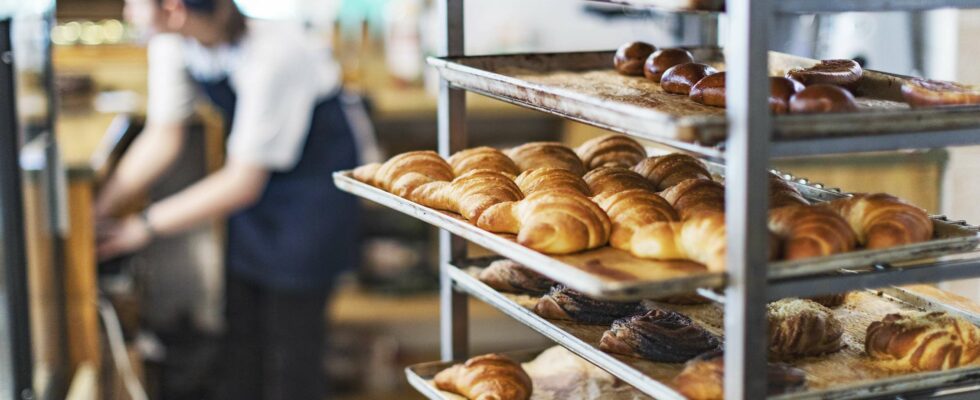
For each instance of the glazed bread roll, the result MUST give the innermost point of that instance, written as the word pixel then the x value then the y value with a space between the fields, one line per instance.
pixel 696 196
pixel 511 277
pixel 783 193
pixel 931 93
pixel 668 170
pixel 801 328
pixel 780 91
pixel 550 222
pixel 661 60
pixel 844 73
pixel 470 194
pixel 565 304
pixel 710 90
pixel 703 378
pixel 811 231
pixel 546 155
pixel 658 335
pixel 551 179
pixel 630 56
pixel 629 210
pixel 405 172
pixel 611 151
pixel 680 78
pixel 482 158
pixel 604 181
pixel 486 377
pixel 821 98
pixel 700 239
pixel 922 341
pixel 881 220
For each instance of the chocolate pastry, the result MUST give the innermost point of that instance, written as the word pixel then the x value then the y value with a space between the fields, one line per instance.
pixel 780 91
pixel 801 328
pixel 922 341
pixel 703 378
pixel 630 57
pixel 680 78
pixel 929 93
pixel 821 98
pixel 565 304
pixel 511 277
pixel 658 335
pixel 830 300
pixel 845 73
pixel 661 60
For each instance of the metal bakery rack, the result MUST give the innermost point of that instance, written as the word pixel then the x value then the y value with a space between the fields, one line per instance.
pixel 745 136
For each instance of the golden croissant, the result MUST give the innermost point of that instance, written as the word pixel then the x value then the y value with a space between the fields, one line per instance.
pixel 604 181
pixel 550 222
pixel 470 194
pixel 782 193
pixel 700 238
pixel 546 155
pixel 881 220
pixel 695 196
pixel 551 179
pixel 811 231
pixel 405 172
pixel 482 158
pixel 611 151
pixel 632 209
pixel 486 377
pixel 668 170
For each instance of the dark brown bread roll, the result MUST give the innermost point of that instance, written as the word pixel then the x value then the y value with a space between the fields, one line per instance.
pixel 680 78
pixel 801 328
pixel 630 57
pixel 487 377
pixel 930 93
pixel 566 304
pixel 922 341
pixel 658 335
pixel 780 91
pixel 703 378
pixel 710 90
pixel 511 277
pixel 661 60
pixel 845 73
pixel 821 98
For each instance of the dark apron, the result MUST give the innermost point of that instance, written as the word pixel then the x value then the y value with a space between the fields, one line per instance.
pixel 303 230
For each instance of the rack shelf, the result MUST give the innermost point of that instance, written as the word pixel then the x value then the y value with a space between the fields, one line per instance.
pixel 803 6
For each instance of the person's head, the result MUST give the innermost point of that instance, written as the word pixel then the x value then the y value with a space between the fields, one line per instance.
pixel 210 22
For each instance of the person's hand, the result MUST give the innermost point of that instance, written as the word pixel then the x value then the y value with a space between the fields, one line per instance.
pixel 123 236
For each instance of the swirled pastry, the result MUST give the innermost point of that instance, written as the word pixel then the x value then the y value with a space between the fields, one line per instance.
pixel 551 179
pixel 696 196
pixel 922 341
pixel 801 328
pixel 486 377
pixel 509 276
pixel 658 335
pixel 881 220
pixel 703 378
pixel 482 158
pixel 611 151
pixel 470 194
pixel 546 155
pixel 550 222
pixel 566 304
pixel 668 170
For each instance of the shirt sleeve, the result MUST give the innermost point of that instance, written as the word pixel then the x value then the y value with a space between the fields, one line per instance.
pixel 274 110
pixel 170 91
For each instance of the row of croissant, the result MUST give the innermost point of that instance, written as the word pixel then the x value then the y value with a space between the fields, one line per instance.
pixel 798 328
pixel 559 200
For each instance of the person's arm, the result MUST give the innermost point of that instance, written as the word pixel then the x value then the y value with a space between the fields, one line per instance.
pixel 236 186
pixel 151 154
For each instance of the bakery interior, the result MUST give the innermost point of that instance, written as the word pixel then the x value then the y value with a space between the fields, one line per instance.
pixel 151 324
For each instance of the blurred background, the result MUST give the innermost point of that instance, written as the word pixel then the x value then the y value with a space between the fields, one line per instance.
pixel 80 98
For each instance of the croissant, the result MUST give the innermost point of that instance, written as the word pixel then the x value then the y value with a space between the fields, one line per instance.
pixel 811 231
pixel 703 378
pixel 470 194
pixel 782 193
pixel 658 335
pixel 700 239
pixel 800 328
pixel 486 377
pixel 550 222
pixel 881 220
pixel 611 151
pixel 508 276
pixel 366 173
pixel 668 170
pixel 549 179
pixel 546 155
pixel 482 158
pixel 565 304
pixel 405 172
pixel 604 181
pixel 922 341
pixel 631 209
pixel 695 196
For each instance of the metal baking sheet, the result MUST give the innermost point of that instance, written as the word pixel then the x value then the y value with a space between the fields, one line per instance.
pixel 673 5
pixel 583 86
pixel 615 274
pixel 842 375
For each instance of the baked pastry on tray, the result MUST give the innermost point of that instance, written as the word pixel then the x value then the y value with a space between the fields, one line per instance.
pixel 801 328
pixel 658 335
pixel 566 304
pixel 511 277
pixel 703 378
pixel 486 377
pixel 922 341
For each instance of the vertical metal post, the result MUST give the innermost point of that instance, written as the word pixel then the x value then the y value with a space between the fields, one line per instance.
pixel 746 191
pixel 453 313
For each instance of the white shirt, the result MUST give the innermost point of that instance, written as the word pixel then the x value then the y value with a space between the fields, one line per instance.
pixel 278 74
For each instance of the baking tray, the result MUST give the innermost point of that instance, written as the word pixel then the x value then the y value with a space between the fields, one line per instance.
pixel 672 5
pixel 583 86
pixel 615 274
pixel 842 375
